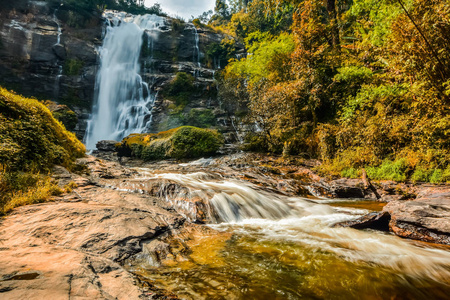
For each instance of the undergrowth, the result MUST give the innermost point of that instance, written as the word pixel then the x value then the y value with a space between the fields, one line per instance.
pixel 32 141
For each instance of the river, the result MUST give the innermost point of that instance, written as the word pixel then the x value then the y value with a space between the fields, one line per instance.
pixel 268 246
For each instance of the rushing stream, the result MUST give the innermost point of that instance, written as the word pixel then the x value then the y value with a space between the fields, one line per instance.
pixel 268 246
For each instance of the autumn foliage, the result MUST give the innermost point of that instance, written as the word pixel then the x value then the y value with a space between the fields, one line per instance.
pixel 358 84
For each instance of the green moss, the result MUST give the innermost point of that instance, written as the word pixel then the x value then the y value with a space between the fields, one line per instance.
pixel 31 142
pixel 181 142
pixel 180 89
pixel 201 118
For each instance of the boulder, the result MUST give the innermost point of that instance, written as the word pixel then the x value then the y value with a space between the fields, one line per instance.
pixel 107 146
pixel 427 218
pixel 374 220
pixel 60 51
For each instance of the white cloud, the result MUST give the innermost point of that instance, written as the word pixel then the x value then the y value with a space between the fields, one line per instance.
pixel 184 8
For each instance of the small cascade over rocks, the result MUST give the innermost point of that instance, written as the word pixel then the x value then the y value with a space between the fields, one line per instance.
pixel 248 210
pixel 124 101
pixel 210 198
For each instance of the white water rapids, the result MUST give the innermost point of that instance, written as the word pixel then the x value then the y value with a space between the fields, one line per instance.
pixel 124 101
pixel 246 209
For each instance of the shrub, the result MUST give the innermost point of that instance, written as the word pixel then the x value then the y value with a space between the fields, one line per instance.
pixel 190 142
pixel 181 142
pixel 31 138
pixel 421 175
pixel 351 173
pixel 389 170
pixel 73 67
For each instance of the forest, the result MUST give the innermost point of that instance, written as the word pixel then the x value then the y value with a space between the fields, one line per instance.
pixel 357 84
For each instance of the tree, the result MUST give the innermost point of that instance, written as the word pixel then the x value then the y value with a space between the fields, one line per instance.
pixel 221 13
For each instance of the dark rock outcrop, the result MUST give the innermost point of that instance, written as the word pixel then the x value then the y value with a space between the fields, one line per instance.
pixel 107 146
pixel 33 63
pixel 375 220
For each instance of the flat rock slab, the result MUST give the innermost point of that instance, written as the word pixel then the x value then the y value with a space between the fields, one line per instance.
pixel 73 248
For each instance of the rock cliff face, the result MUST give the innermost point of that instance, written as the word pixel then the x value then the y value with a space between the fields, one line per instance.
pixel 42 56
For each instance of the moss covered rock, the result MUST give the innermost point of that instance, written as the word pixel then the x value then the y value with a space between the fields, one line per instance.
pixel 63 114
pixel 31 138
pixel 181 142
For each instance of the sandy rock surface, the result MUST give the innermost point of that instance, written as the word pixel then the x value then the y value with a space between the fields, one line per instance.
pixel 73 248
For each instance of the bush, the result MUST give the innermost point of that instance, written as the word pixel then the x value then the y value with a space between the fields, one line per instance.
pixel 421 175
pixel 181 142
pixel 31 138
pixel 190 142
pixel 389 170
pixel 351 173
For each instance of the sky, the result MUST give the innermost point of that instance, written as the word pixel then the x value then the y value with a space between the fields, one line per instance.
pixel 184 8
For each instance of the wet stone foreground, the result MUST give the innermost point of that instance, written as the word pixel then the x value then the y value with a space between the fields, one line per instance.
pixel 209 229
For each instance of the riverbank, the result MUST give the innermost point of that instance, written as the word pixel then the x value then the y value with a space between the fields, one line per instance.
pixel 101 240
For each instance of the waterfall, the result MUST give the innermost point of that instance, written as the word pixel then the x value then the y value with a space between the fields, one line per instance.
pixel 55 18
pixel 58 42
pixel 124 102
pixel 196 54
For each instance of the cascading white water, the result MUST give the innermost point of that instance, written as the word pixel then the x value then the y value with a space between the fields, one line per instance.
pixel 55 18
pixel 196 54
pixel 58 42
pixel 124 101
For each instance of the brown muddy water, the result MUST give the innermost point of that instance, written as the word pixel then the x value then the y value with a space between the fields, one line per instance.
pixel 267 246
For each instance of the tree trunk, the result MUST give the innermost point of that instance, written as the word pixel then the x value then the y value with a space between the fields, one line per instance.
pixel 332 16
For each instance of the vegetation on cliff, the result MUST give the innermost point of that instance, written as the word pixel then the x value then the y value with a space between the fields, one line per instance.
pixel 31 142
pixel 86 13
pixel 358 84
pixel 182 91
pixel 181 142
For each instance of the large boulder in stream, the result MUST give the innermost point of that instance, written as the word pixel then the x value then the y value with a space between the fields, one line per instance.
pixel 427 218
